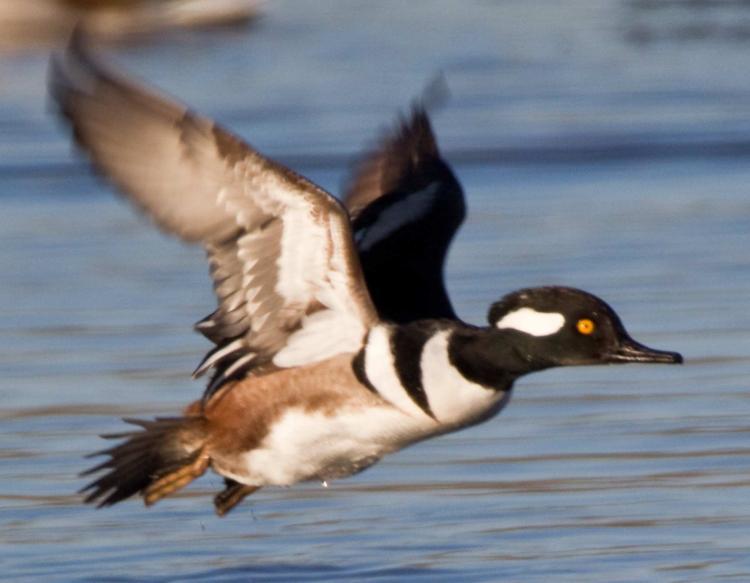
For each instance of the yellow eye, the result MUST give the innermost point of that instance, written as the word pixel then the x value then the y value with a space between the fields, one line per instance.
pixel 585 326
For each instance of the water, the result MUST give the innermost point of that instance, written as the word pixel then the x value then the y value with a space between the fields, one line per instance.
pixel 604 145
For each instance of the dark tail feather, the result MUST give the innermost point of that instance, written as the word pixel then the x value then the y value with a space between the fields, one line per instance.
pixel 162 447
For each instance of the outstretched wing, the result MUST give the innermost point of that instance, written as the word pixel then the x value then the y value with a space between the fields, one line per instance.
pixel 285 271
pixel 406 206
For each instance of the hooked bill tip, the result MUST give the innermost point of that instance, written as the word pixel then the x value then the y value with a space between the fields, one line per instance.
pixel 631 351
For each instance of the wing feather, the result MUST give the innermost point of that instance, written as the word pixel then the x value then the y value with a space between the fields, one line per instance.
pixel 280 248
pixel 406 205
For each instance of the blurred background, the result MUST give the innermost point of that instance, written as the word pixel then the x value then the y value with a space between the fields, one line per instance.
pixel 601 144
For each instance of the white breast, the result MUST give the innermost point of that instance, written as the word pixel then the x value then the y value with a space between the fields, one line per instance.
pixel 380 369
pixel 454 400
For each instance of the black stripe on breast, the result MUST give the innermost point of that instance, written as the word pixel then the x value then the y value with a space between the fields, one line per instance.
pixel 407 343
pixel 358 367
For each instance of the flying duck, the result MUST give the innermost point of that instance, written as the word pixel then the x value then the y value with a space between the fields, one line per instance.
pixel 310 380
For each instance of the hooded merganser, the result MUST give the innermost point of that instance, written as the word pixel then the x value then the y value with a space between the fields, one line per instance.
pixel 310 383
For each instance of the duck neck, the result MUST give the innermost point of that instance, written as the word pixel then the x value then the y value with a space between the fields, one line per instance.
pixel 492 358
pixel 452 373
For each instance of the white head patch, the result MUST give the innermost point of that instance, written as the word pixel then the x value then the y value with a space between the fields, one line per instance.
pixel 532 322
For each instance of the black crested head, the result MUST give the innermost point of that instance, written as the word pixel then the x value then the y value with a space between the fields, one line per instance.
pixel 561 326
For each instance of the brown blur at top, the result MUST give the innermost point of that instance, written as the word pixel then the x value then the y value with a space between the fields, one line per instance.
pixel 32 24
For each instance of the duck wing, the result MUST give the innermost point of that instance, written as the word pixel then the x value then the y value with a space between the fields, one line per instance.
pixel 285 270
pixel 406 205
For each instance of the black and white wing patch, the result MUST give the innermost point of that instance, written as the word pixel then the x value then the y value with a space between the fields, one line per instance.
pixel 406 206
pixel 286 275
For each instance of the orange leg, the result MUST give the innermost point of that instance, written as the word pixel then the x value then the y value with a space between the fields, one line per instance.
pixel 233 494
pixel 173 481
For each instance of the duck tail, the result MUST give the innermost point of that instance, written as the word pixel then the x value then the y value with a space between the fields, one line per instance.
pixel 155 461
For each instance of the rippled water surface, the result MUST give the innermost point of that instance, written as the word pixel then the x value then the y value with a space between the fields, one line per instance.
pixel 604 145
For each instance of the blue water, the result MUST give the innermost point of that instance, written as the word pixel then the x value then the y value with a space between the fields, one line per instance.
pixel 604 145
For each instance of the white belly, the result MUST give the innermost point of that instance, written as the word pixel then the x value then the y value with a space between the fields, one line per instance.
pixel 315 446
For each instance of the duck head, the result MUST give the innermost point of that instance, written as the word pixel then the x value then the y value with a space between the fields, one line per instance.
pixel 560 326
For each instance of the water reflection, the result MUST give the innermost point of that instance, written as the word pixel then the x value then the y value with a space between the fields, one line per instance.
pixel 687 21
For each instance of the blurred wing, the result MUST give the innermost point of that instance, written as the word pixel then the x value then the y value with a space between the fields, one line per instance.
pixel 287 278
pixel 406 206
